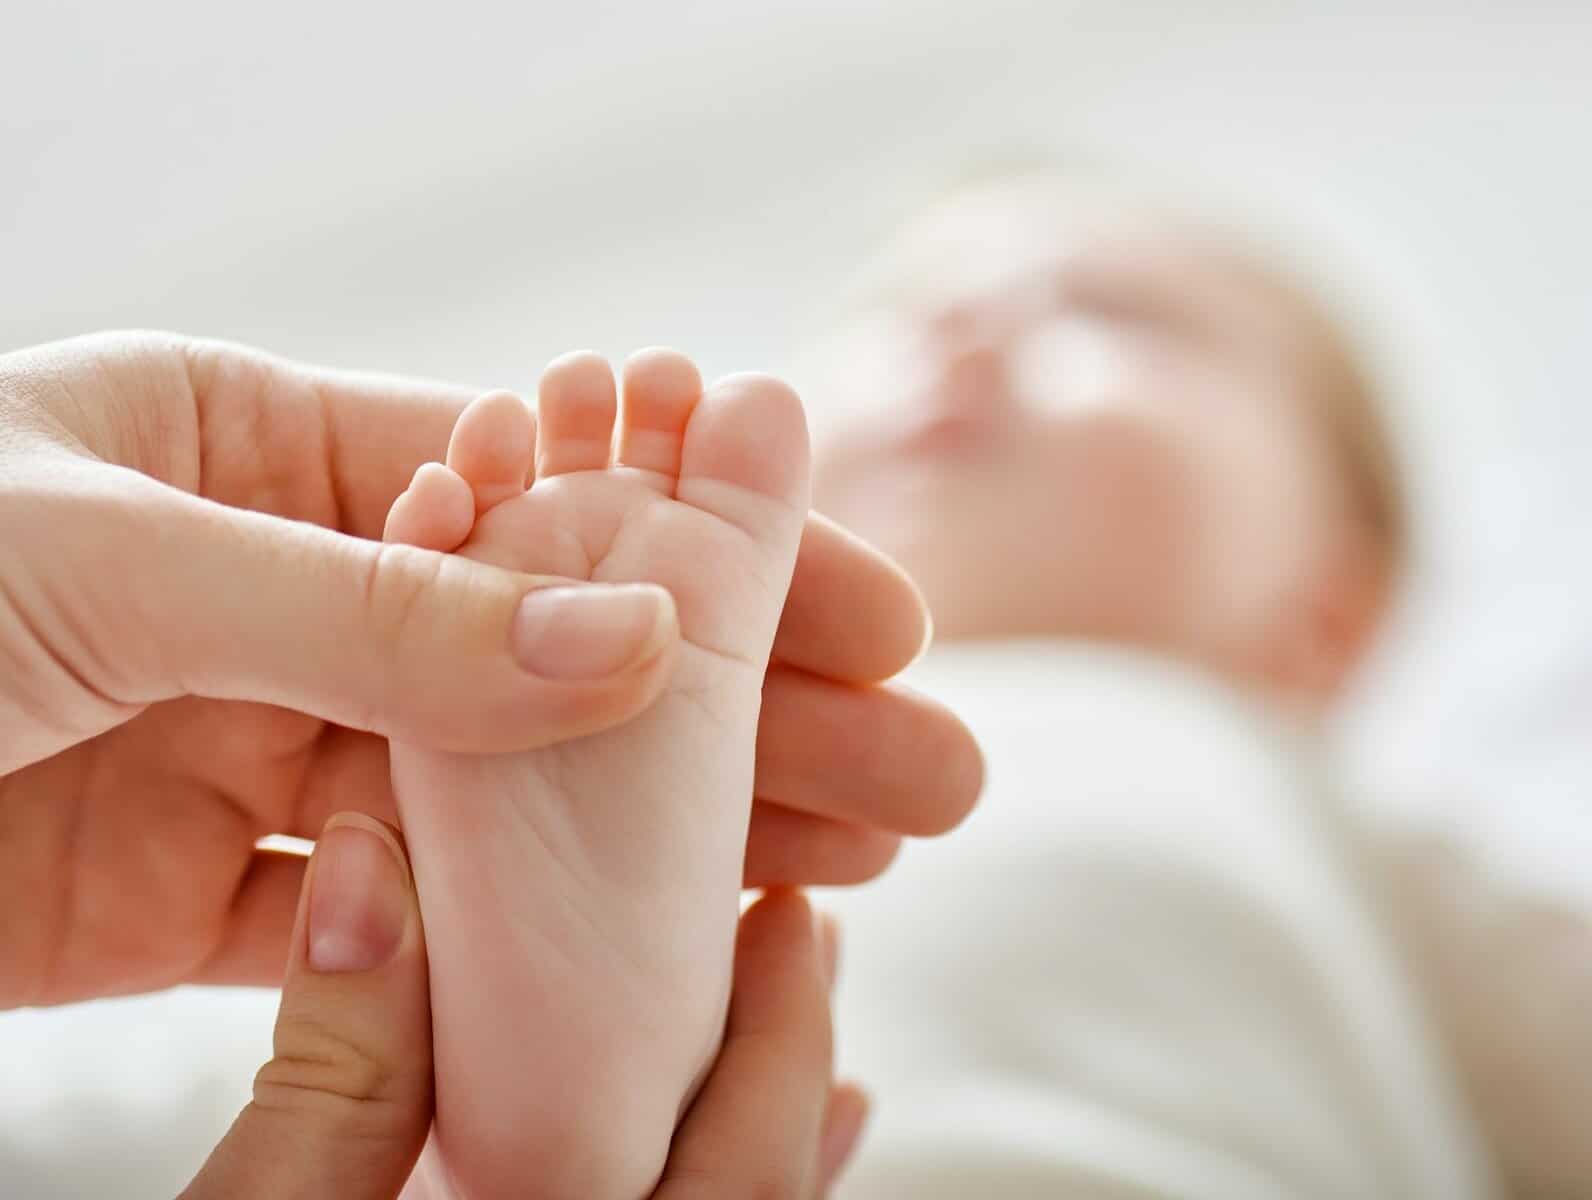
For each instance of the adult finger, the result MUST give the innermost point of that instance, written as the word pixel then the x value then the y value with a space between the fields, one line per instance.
pixel 884 757
pixel 343 1107
pixel 851 613
pixel 788 848
pixel 754 1130
pixel 161 594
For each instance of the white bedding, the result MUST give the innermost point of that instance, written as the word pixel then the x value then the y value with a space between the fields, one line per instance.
pixel 1149 967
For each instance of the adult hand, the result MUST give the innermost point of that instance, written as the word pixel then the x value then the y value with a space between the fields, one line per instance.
pixel 204 644
pixel 342 1109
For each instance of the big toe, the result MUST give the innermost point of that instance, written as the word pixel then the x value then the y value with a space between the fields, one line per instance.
pixel 745 457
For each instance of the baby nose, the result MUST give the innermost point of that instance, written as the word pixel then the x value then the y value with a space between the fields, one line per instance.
pixel 970 374
pixel 972 382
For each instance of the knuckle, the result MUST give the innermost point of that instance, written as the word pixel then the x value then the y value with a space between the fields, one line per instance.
pixel 322 1068
pixel 393 589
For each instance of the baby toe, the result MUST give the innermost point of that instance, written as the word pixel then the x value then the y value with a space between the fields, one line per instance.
pixel 661 389
pixel 435 512
pixel 576 407
pixel 493 447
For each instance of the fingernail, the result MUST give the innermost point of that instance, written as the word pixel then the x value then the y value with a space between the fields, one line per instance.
pixel 843 1123
pixel 359 896
pixel 590 632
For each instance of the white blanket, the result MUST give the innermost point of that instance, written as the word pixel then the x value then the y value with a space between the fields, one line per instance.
pixel 1148 967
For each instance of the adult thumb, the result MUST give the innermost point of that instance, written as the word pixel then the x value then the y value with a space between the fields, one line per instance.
pixel 342 1109
pixel 419 646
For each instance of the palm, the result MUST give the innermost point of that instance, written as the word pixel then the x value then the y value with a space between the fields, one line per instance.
pixel 142 844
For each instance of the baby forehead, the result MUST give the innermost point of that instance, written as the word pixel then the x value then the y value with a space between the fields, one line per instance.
pixel 1139 273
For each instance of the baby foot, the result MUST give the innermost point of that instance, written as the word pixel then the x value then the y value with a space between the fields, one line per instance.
pixel 580 901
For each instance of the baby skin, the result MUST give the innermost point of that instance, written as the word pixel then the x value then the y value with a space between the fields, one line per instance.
pixel 580 901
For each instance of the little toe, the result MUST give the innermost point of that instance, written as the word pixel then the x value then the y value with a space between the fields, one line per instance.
pixel 745 457
pixel 494 447
pixel 576 406
pixel 436 511
pixel 661 388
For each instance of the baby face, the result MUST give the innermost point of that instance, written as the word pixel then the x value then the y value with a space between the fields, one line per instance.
pixel 1105 432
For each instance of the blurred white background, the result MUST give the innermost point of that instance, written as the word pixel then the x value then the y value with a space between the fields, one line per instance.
pixel 466 190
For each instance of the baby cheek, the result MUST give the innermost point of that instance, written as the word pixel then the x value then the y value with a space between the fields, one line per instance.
pixel 1131 496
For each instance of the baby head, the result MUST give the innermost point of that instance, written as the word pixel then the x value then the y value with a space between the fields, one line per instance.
pixel 1066 417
